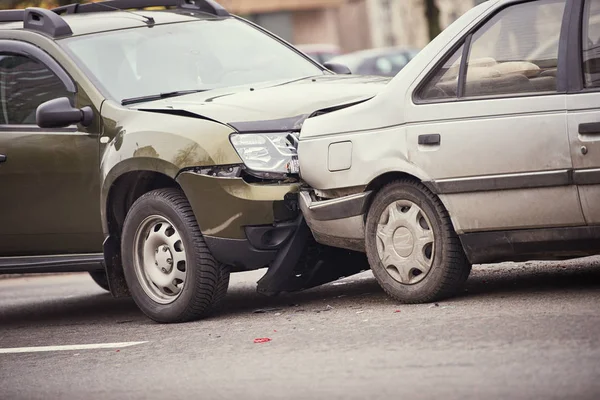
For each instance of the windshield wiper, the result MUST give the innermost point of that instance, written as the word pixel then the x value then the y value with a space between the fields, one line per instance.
pixel 159 96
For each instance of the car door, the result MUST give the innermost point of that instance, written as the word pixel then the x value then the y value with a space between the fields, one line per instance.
pixel 489 124
pixel 49 178
pixel 584 110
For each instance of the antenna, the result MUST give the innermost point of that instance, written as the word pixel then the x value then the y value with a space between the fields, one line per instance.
pixel 149 20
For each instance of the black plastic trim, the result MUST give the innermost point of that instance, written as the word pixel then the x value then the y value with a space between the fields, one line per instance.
pixel 206 6
pixel 269 237
pixel 239 253
pixel 462 70
pixel 503 182
pixel 31 51
pixel 590 128
pixel 586 177
pixel 339 208
pixel 12 15
pixel 46 22
pixel 53 263
pixel 35 128
pixel 287 258
pixel 429 139
pixel 573 44
pixel 291 124
pixel 114 267
pixel 531 244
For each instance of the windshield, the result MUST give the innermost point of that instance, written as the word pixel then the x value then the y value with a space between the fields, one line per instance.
pixel 198 55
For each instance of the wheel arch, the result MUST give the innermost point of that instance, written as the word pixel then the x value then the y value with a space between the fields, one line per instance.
pixel 118 195
pixel 377 183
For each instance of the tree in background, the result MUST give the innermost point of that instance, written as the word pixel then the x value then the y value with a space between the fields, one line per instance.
pixel 432 11
pixel 432 15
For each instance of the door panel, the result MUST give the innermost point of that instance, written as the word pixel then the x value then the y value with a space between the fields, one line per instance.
pixel 585 150
pixel 508 171
pixel 49 179
pixel 503 159
pixel 50 193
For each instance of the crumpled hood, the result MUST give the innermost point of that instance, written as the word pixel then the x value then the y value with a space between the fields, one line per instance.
pixel 271 106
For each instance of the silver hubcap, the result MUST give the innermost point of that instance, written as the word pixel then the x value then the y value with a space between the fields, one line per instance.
pixel 405 242
pixel 159 259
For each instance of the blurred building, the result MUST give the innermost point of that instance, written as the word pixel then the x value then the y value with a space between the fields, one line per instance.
pixel 350 24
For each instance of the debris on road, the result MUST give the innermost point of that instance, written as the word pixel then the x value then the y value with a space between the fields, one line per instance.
pixel 327 308
pixel 360 312
pixel 397 311
pixel 265 310
pixel 262 340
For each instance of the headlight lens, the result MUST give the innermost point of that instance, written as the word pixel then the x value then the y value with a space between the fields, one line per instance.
pixel 267 154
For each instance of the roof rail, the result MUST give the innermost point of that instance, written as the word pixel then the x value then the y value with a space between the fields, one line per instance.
pixel 51 23
pixel 207 6
pixel 12 15
pixel 45 21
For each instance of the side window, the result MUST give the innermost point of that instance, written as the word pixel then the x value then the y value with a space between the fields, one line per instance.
pixel 25 83
pixel 591 44
pixel 516 51
pixel 444 83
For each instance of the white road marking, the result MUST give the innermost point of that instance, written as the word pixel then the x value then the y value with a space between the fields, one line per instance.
pixel 39 349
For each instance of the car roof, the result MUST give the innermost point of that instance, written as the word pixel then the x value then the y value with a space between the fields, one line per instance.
pixel 96 22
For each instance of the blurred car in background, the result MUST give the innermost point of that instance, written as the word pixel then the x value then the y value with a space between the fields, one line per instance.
pixel 384 61
pixel 321 53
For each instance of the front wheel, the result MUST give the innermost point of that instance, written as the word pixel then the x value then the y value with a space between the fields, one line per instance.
pixel 411 244
pixel 170 272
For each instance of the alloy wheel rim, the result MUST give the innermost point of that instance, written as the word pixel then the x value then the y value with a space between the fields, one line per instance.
pixel 405 242
pixel 160 259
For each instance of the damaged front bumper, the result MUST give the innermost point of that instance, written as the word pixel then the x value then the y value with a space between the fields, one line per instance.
pixel 251 226
pixel 338 222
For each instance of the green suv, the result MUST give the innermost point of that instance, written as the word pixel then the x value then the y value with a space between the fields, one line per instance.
pixel 157 150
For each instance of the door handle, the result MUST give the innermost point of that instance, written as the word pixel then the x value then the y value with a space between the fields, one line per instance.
pixel 430 140
pixel 2 158
pixel 591 128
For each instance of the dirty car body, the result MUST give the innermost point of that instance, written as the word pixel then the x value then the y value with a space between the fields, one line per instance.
pixel 155 111
pixel 484 148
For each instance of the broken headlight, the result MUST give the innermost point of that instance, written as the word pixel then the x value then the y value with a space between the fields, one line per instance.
pixel 267 155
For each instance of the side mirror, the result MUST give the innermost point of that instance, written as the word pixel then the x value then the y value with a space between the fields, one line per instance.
pixel 337 68
pixel 59 113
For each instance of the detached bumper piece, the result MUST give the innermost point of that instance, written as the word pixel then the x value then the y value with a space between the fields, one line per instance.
pixel 262 245
pixel 337 222
pixel 296 261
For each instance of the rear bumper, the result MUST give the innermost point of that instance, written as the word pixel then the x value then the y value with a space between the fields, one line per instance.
pixel 337 222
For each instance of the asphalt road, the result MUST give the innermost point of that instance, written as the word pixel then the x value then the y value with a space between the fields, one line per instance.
pixel 521 331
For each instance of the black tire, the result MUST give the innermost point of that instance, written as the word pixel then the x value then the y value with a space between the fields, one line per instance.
pixel 450 267
pixel 206 280
pixel 100 278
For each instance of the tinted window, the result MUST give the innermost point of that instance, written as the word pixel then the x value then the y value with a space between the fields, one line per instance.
pixel 516 51
pixel 591 43
pixel 24 85
pixel 444 83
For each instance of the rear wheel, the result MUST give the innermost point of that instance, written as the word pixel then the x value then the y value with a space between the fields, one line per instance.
pixel 171 274
pixel 411 244
pixel 100 278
